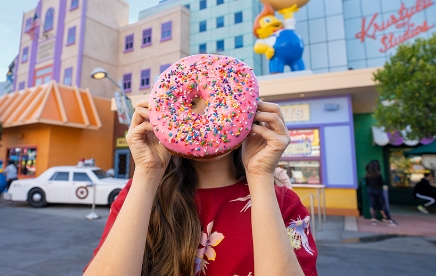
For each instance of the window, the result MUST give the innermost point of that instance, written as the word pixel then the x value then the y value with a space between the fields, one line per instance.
pixel 220 45
pixel 203 4
pixel 238 17
pixel 128 45
pixel 68 76
pixel 25 54
pixel 28 24
pixel 302 158
pixel 219 2
pixel 21 85
pixel 202 49
pixel 24 159
pixel 166 31
pixel 80 176
pixel 202 26
pixel 100 174
pixel 239 41
pixel 145 78
pixel 74 4
pixel 127 82
pixel 146 37
pixel 220 22
pixel 164 67
pixel 48 23
pixel 60 176
pixel 71 38
pixel 43 75
pixel 188 6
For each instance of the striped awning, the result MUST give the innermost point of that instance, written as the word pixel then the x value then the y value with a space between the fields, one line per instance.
pixel 50 103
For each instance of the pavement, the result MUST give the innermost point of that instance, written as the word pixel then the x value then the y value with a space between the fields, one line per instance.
pixel 58 240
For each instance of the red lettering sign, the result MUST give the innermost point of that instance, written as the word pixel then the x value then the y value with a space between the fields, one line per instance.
pixel 400 20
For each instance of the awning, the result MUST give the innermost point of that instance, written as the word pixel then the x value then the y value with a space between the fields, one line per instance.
pixel 50 103
pixel 381 138
pixel 425 149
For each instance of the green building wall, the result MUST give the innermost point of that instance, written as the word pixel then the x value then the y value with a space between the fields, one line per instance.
pixel 366 151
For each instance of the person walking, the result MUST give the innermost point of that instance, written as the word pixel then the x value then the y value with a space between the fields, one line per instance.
pixel 10 173
pixel 424 190
pixel 375 182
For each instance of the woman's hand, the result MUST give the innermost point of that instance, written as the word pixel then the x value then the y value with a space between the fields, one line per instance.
pixel 146 150
pixel 264 146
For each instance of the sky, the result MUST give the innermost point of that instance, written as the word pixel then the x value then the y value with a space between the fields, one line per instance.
pixel 11 15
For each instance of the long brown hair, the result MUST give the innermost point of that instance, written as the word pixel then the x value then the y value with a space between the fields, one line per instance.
pixel 373 169
pixel 174 229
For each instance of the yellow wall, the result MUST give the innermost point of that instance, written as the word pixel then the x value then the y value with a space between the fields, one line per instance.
pixel 338 201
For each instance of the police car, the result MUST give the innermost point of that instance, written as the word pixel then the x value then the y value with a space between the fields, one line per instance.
pixel 67 184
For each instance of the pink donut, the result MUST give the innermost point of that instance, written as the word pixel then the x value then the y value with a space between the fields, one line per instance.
pixel 230 92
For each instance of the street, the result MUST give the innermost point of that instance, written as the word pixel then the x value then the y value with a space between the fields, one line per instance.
pixel 58 240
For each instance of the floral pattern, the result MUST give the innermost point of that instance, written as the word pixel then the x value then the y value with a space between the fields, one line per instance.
pixel 208 241
pixel 247 206
pixel 298 230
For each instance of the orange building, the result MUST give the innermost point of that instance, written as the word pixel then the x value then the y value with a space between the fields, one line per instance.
pixel 52 124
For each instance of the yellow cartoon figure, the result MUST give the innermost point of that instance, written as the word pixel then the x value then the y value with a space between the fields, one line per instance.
pixel 278 40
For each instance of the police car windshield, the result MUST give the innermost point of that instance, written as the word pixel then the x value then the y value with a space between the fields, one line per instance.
pixel 100 174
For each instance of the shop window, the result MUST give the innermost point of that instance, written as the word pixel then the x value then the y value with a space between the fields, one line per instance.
pixel 60 176
pixel 405 171
pixel 146 37
pixel 24 159
pixel 127 82
pixel 220 22
pixel 128 43
pixel 48 23
pixel 166 30
pixel 238 17
pixel 302 158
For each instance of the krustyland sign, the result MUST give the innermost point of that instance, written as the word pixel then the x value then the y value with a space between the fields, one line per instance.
pixel 400 20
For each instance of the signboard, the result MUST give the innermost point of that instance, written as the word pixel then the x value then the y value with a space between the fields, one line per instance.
pixel 304 142
pixel 400 20
pixel 46 50
pixel 121 143
pixel 124 108
pixel 296 112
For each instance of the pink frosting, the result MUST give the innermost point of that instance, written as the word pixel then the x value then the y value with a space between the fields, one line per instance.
pixel 230 91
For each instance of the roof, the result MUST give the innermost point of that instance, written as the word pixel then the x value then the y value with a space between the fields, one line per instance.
pixel 52 104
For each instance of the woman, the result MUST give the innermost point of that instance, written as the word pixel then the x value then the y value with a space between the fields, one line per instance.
pixel 375 183
pixel 222 216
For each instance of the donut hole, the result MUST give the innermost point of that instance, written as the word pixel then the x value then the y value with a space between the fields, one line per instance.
pixel 198 105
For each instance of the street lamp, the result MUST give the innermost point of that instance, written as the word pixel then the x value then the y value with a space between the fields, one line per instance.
pixel 124 105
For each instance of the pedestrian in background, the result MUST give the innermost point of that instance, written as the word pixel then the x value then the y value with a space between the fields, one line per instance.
pixel 424 190
pixel 375 183
pixel 10 173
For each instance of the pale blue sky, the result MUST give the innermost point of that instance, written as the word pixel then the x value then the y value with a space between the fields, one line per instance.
pixel 11 16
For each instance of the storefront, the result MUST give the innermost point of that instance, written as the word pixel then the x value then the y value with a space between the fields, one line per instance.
pixel 54 125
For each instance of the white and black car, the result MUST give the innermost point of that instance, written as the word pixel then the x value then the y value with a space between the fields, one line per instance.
pixel 67 184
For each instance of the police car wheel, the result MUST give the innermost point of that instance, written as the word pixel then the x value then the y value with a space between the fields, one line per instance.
pixel 36 198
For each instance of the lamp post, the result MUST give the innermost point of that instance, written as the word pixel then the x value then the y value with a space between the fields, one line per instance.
pixel 124 105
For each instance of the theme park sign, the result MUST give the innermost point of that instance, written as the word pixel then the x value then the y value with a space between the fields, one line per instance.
pixel 400 20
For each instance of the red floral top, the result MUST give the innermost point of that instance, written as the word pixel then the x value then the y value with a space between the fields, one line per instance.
pixel 226 246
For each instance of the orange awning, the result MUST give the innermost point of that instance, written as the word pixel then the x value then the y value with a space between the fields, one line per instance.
pixel 50 103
